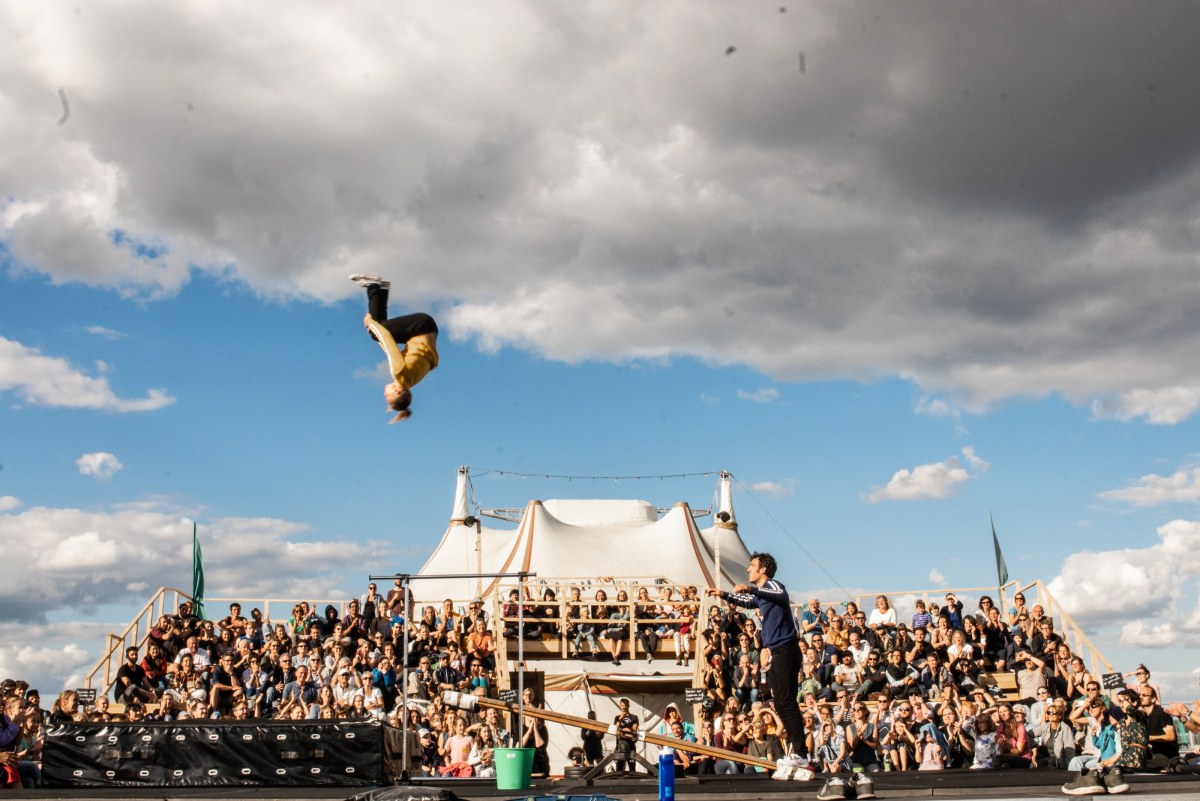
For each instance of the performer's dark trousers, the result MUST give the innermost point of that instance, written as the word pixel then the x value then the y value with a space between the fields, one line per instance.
pixel 784 682
pixel 403 328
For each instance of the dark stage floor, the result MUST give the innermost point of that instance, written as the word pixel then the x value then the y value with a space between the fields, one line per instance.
pixel 950 784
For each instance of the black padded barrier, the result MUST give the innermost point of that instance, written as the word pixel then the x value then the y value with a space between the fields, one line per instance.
pixel 215 753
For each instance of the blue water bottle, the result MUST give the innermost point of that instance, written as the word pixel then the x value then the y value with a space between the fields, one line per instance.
pixel 666 774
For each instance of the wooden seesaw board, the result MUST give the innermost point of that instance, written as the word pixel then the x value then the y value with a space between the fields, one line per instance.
pixel 468 702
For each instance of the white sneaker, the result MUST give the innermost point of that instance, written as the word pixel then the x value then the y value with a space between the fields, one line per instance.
pixel 362 279
pixel 792 768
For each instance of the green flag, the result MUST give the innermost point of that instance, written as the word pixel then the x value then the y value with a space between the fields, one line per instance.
pixel 197 575
pixel 1001 568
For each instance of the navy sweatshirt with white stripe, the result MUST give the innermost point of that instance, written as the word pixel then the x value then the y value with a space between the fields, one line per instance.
pixel 774 607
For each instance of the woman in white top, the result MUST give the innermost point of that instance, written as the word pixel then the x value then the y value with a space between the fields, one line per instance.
pixel 883 616
pixel 959 648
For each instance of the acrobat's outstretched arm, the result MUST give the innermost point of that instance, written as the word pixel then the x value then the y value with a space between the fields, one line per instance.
pixel 384 338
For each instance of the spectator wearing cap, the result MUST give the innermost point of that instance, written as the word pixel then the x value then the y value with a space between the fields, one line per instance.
pixel 372 696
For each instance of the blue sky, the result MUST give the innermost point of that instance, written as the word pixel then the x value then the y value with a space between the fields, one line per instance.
pixel 885 292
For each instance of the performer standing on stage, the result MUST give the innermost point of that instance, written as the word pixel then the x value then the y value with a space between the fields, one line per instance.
pixel 779 635
pixel 418 332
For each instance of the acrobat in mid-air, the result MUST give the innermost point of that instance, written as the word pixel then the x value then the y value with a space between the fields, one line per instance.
pixel 418 333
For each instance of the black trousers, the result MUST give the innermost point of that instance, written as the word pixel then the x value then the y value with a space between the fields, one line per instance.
pixel 402 328
pixel 783 678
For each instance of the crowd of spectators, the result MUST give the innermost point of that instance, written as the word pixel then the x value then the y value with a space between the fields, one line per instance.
pixel 883 693
pixel 875 691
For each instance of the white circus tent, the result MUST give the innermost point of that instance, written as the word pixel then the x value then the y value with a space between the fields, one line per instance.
pixel 568 539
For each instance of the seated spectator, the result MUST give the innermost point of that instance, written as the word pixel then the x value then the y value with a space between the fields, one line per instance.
pixel 617 629
pixel 940 637
pixel 918 649
pixel 234 623
pixel 745 682
pixel 511 610
pixel 1074 678
pixel 953 610
pixel 931 753
pixel 1032 677
pixel 645 611
pixel 899 742
pixel 959 738
pixel 960 648
pixel 882 620
pixel 132 682
pixel 985 753
pixel 1131 734
pixel 1160 728
pixel 226 686
pixel 812 620
pixel 301 688
pixel 995 639
pixel 731 737
pixel 482 759
pixel 480 646
pixel 835 634
pixel 1055 741
pixel 1013 742
pixel 873 676
pixel 550 612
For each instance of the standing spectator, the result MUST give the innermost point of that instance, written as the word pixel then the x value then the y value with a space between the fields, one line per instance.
pixel 921 617
pixel 953 610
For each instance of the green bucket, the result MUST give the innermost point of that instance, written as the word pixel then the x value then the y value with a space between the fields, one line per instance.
pixel 513 766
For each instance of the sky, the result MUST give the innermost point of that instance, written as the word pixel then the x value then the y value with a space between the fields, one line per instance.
pixel 898 267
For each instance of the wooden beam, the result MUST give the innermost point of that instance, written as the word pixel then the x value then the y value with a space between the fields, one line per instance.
pixel 469 702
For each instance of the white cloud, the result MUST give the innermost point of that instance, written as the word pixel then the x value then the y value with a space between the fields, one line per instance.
pixel 1152 490
pixel 931 481
pixel 50 656
pixel 936 407
pixel 105 333
pixel 936 578
pixel 101 465
pixel 49 381
pixel 761 395
pixel 9 502
pixel 86 557
pixel 1101 588
pixel 774 489
pixel 1162 406
pixel 708 214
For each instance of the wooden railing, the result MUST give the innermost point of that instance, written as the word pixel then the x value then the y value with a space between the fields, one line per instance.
pixel 135 633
